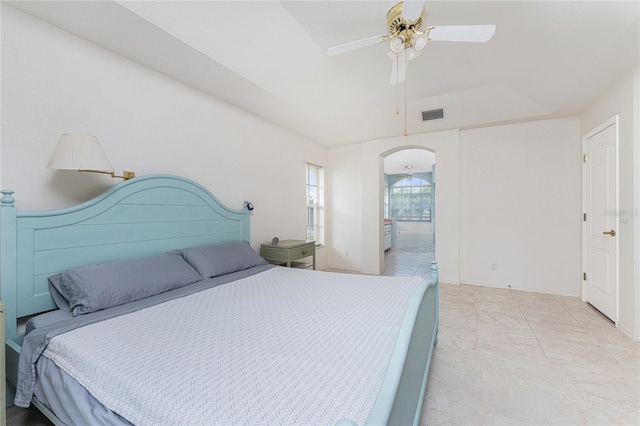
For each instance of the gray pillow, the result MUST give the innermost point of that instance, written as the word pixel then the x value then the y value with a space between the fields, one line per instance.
pixel 103 286
pixel 213 261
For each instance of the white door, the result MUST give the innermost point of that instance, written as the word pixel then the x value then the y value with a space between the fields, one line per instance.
pixel 600 250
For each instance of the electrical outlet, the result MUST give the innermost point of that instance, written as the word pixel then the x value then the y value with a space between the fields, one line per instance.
pixel 493 266
pixel 346 253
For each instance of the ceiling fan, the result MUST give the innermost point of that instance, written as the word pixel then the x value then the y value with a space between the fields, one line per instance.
pixel 407 38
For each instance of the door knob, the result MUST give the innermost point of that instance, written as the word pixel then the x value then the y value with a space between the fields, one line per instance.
pixel 612 233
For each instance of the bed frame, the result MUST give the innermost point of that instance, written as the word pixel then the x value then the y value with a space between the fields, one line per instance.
pixel 142 217
pixel 137 218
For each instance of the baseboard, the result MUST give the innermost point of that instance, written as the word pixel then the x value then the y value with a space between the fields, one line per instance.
pixel 629 334
pixel 531 290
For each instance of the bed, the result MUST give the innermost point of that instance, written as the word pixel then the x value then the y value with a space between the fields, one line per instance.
pixel 196 328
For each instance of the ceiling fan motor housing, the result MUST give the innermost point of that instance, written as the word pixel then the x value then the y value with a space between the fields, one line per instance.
pixel 397 25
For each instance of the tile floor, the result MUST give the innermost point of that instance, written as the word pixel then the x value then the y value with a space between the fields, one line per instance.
pixel 405 262
pixel 518 358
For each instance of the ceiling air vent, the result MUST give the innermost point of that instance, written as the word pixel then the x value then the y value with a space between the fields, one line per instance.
pixel 434 114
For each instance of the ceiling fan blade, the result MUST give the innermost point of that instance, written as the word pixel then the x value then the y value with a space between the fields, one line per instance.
pixel 470 33
pixel 353 45
pixel 411 9
pixel 394 73
pixel 402 66
pixel 399 68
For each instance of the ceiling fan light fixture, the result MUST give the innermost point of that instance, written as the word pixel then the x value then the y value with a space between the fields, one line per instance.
pixel 397 44
pixel 419 41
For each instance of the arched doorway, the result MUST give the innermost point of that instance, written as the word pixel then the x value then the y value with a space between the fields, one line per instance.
pixel 409 210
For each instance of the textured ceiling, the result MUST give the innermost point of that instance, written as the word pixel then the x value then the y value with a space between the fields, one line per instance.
pixel 547 58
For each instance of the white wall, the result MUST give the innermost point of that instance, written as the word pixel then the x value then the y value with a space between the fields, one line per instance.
pixel 343 179
pixel 357 214
pixel 55 82
pixel 520 206
pixel 623 99
pixel 506 194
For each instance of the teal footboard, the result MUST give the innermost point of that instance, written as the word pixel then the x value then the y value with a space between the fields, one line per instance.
pixel 403 389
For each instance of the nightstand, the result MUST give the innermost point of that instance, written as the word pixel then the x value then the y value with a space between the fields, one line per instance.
pixel 287 251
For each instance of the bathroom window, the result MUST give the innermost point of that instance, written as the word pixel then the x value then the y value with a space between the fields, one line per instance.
pixel 410 199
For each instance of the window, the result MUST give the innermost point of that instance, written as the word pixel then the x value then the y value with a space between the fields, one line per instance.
pixel 410 199
pixel 387 207
pixel 315 203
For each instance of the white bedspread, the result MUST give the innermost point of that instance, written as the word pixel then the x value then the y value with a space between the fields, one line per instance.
pixel 284 346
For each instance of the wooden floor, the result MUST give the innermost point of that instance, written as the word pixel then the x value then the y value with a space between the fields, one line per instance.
pixel 17 416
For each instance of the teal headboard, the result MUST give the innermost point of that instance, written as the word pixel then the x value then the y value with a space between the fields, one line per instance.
pixel 140 217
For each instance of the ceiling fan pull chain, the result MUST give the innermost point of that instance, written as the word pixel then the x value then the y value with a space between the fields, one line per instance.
pixel 405 109
pixel 397 83
pixel 406 82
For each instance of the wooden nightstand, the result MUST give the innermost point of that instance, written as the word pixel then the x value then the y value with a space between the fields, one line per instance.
pixel 289 250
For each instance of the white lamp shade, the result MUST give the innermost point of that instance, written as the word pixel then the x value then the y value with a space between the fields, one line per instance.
pixel 397 44
pixel 79 152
